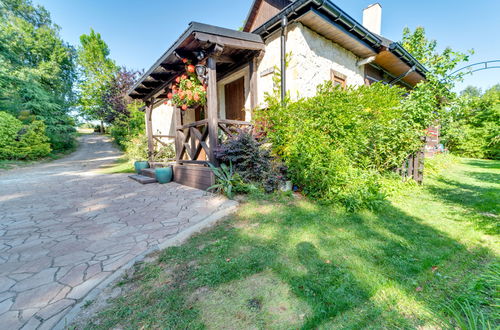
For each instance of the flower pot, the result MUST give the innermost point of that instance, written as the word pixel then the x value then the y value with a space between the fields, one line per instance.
pixel 164 174
pixel 140 165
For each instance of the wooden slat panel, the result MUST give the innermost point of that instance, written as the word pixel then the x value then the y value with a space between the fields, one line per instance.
pixel 194 176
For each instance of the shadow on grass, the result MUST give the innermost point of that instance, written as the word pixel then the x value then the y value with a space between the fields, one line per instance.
pixel 480 200
pixel 351 270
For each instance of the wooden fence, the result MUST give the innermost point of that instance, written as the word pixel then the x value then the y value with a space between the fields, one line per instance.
pixel 413 167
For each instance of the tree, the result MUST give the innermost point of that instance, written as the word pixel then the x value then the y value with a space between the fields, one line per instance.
pixel 37 70
pixel 439 64
pixel 472 91
pixel 115 97
pixel 96 73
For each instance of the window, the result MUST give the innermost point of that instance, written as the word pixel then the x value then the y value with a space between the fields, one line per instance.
pixel 338 78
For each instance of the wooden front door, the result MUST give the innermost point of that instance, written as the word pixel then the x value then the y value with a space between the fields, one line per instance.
pixel 234 94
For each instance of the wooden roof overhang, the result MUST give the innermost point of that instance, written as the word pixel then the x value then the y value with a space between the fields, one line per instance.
pixel 327 19
pixel 233 49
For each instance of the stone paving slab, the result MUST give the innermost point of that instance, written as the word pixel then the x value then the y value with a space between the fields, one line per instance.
pixel 65 228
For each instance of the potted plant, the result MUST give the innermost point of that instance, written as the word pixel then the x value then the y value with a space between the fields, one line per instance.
pixel 164 174
pixel 140 165
pixel 188 92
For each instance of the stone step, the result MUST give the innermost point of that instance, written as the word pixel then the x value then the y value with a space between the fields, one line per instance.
pixel 150 172
pixel 142 179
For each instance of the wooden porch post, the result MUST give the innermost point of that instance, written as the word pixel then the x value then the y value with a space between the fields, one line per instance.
pixel 253 84
pixel 212 109
pixel 178 123
pixel 149 129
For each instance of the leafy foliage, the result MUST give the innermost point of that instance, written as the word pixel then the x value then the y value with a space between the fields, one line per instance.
pixel 252 160
pixel 20 142
pixel 37 70
pixel 115 97
pixel 97 71
pixel 189 91
pixel 338 143
pixel 226 179
pixel 472 125
pixel 439 64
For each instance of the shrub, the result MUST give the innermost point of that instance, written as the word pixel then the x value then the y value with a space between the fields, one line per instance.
pixel 22 142
pixel 126 127
pixel 32 142
pixel 337 144
pixel 9 126
pixel 471 127
pixel 251 159
pixel 137 148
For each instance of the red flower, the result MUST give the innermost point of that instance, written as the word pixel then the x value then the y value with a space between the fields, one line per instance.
pixel 181 95
pixel 184 77
pixel 190 68
pixel 178 79
pixel 170 95
pixel 196 97
pixel 189 84
pixel 174 88
pixel 184 107
pixel 184 60
pixel 165 102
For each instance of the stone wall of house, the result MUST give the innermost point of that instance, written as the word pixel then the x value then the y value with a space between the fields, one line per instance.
pixel 163 121
pixel 311 61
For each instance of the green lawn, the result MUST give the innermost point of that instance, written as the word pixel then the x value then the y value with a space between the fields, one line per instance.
pixel 430 256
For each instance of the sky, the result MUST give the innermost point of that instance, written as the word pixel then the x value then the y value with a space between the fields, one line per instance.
pixel 138 32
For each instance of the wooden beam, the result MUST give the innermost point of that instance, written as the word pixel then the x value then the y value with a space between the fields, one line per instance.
pixel 253 84
pixel 149 129
pixel 178 122
pixel 229 42
pixel 212 108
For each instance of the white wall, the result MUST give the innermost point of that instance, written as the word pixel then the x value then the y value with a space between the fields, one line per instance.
pixel 163 121
pixel 312 59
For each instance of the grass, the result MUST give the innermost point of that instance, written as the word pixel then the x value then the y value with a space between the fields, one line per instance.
pixel 121 165
pixel 427 259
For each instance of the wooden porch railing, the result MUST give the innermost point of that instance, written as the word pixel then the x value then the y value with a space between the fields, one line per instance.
pixel 193 142
pixel 191 139
pixel 231 127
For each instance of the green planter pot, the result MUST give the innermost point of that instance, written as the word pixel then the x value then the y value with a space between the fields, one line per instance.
pixel 164 174
pixel 139 166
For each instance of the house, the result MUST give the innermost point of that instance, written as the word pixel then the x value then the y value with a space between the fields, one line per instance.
pixel 320 41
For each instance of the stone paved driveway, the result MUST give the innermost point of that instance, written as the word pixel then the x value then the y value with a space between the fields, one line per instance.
pixel 65 227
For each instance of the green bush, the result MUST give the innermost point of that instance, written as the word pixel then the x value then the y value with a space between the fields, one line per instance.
pixel 125 128
pixel 337 144
pixel 22 142
pixel 9 127
pixel 137 148
pixel 33 143
pixel 251 160
pixel 472 126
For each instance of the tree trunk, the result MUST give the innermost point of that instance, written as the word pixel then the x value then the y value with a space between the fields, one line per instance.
pixel 102 127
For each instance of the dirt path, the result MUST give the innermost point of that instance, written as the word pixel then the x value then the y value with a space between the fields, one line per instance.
pixel 65 228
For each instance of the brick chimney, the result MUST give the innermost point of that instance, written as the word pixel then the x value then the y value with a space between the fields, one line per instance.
pixel 372 18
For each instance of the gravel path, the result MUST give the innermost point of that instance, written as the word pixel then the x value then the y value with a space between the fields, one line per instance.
pixel 65 228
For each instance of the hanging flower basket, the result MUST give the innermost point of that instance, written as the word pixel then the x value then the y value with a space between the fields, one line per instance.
pixel 188 92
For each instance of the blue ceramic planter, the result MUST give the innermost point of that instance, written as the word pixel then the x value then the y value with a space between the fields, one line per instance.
pixel 164 174
pixel 139 166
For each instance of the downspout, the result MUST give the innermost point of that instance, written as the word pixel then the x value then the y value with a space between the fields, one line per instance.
pixel 284 23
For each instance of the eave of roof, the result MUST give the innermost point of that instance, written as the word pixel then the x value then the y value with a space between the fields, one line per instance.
pixel 193 28
pixel 349 24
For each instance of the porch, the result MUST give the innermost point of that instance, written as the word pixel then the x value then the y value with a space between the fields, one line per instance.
pixel 225 61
